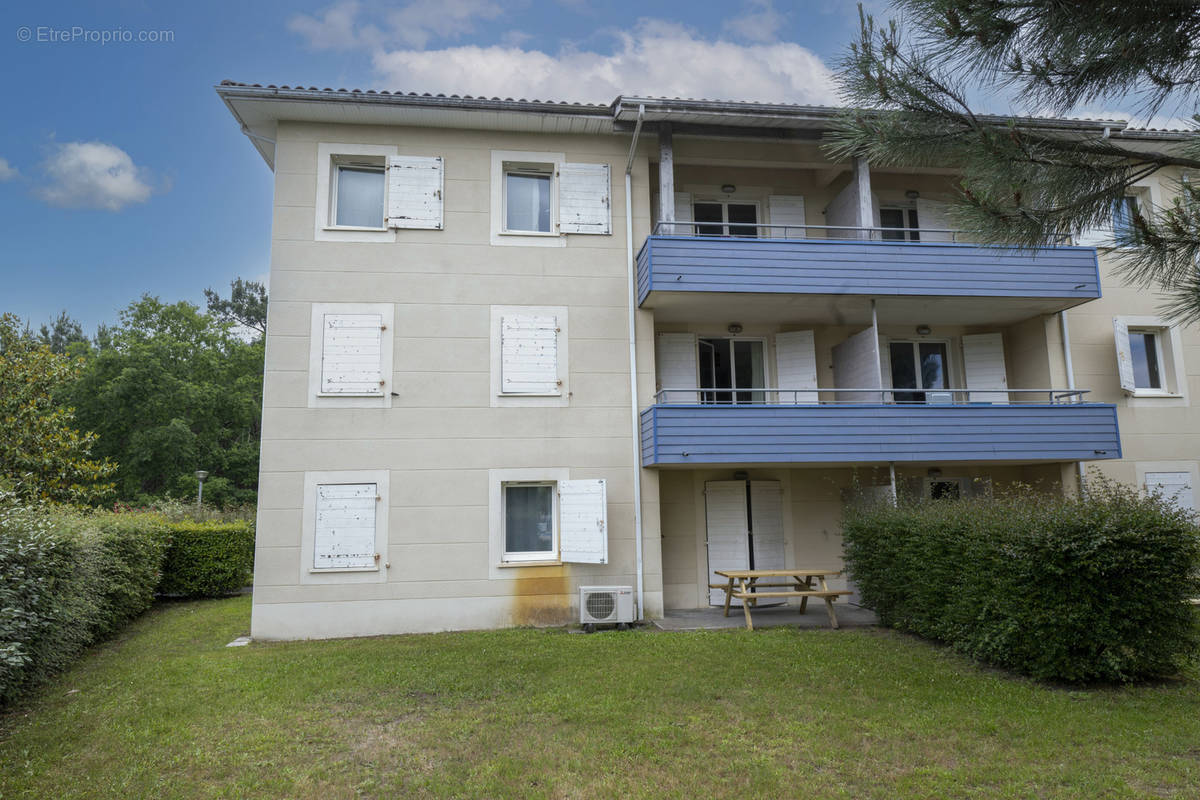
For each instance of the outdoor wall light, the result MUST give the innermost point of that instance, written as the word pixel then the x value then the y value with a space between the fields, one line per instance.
pixel 741 475
pixel 912 194
pixel 735 327
pixel 729 188
pixel 934 472
pixel 924 330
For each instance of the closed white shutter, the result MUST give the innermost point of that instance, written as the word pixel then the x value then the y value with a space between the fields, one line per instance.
pixel 766 514
pixel 885 368
pixel 345 526
pixel 932 214
pixel 415 186
pixel 1124 354
pixel 529 354
pixel 583 522
pixel 683 213
pixel 352 354
pixel 1175 487
pixel 787 210
pixel 796 366
pixel 983 360
pixel 584 199
pixel 675 358
pixel 728 533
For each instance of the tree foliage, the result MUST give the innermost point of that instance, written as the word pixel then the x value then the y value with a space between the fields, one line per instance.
pixel 246 306
pixel 43 456
pixel 1023 180
pixel 172 390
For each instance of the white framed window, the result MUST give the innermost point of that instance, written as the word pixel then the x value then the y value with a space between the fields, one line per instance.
pixel 362 191
pixel 545 517
pixel 350 355
pixel 721 217
pixel 902 224
pixel 538 198
pixel 1149 357
pixel 529 356
pixel 344 527
pixel 942 488
pixel 922 367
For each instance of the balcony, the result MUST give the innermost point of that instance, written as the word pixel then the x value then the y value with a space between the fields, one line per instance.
pixel 800 427
pixel 677 269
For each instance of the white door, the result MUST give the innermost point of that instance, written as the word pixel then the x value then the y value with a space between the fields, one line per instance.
pixel 745 528
pixel 1173 486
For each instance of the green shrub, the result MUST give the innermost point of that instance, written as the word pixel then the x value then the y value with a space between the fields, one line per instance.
pixel 208 559
pixel 68 579
pixel 1068 589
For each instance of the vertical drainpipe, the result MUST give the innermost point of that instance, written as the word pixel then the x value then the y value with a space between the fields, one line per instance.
pixel 1066 341
pixel 633 376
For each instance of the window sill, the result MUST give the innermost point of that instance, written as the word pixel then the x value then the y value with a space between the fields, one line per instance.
pixel 315 571
pixel 1154 393
pixel 354 229
pixel 540 234
pixel 529 394
pixel 349 394
pixel 547 563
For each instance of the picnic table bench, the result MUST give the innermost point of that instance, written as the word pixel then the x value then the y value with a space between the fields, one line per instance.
pixel 783 583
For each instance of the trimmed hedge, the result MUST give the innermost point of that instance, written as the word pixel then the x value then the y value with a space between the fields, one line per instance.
pixel 1065 589
pixel 208 559
pixel 67 580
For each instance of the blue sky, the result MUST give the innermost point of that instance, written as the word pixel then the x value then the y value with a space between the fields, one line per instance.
pixel 122 173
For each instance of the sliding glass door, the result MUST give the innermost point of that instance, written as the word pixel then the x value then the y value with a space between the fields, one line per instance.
pixel 732 370
pixel 919 366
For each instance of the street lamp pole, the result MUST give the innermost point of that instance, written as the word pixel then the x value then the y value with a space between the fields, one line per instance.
pixel 200 476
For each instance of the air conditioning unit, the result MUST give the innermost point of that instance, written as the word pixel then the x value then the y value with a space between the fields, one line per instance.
pixel 605 605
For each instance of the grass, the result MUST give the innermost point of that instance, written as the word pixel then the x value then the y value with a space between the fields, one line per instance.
pixel 166 711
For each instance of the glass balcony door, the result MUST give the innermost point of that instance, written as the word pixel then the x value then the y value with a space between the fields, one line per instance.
pixel 721 218
pixel 904 222
pixel 921 367
pixel 732 370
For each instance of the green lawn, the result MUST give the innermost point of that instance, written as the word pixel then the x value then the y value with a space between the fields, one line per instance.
pixel 168 711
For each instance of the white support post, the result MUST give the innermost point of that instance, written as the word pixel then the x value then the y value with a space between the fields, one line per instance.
pixel 864 212
pixel 666 176
pixel 892 473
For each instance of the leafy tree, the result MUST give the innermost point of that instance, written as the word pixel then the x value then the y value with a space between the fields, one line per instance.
pixel 63 335
pixel 173 390
pixel 246 306
pixel 42 455
pixel 1025 182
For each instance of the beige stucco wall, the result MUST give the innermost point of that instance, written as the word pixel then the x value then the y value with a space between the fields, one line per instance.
pixel 440 437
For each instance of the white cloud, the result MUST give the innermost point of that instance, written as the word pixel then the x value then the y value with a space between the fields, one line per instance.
pixel 758 22
pixel 94 175
pixel 414 25
pixel 657 57
pixel 7 171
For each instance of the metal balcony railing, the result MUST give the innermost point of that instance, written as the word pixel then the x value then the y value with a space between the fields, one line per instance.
pixel 770 396
pixel 747 230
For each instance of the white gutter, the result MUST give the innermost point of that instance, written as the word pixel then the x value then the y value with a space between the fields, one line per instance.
pixel 633 374
pixel 1066 340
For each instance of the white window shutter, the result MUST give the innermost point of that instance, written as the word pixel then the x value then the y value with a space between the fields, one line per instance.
pixel 786 210
pixel 796 366
pixel 415 185
pixel 584 199
pixel 583 522
pixel 983 360
pixel 345 526
pixel 933 214
pixel 856 366
pixel 1175 487
pixel 352 354
pixel 529 355
pixel 885 367
pixel 683 213
pixel 1124 355
pixel 675 359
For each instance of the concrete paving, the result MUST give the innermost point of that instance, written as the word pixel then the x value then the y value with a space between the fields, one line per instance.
pixel 698 619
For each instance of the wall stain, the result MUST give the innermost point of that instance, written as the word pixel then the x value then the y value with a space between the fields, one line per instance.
pixel 541 596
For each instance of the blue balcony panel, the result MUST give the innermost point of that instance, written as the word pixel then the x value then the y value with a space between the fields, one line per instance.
pixel 869 433
pixel 877 269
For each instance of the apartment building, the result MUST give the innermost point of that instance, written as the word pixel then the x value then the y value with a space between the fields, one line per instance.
pixel 517 347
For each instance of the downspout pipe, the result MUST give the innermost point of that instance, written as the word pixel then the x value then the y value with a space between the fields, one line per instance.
pixel 633 371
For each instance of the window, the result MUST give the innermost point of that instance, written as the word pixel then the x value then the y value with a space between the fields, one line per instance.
pixel 548 520
pixel 350 355
pixel 344 527
pixel 920 366
pixel 726 218
pixel 947 488
pixel 736 365
pixel 1124 211
pixel 530 533
pixel 904 220
pixel 1146 353
pixel 527 203
pixel 359 195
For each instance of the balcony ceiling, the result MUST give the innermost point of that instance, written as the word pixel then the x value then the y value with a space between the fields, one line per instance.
pixel 755 308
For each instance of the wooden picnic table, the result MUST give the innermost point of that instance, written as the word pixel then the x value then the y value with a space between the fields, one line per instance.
pixel 783 583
